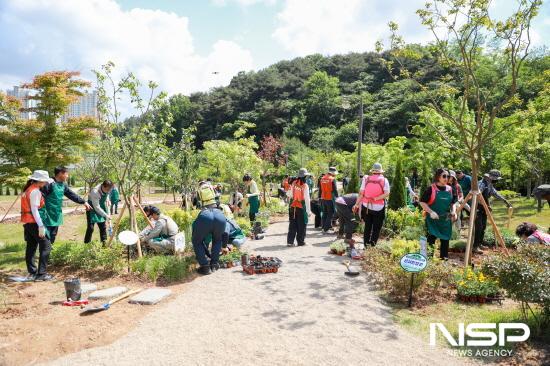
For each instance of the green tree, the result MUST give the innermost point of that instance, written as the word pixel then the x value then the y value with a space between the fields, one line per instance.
pixel 353 185
pixel 397 196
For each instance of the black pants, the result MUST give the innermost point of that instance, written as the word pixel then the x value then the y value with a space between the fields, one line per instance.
pixel 327 207
pixel 53 233
pixel 90 230
pixel 316 210
pixel 373 224
pixel 33 242
pixel 444 251
pixel 345 217
pixel 114 208
pixel 296 226
pixel 480 226
pixel 252 217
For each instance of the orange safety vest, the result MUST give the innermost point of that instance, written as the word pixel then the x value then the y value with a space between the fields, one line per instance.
pixel 297 195
pixel 326 187
pixel 26 213
pixel 286 186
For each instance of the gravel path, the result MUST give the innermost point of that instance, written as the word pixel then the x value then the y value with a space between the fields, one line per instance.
pixel 307 314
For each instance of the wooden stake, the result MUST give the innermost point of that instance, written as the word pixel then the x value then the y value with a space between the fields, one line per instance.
pixel 143 212
pixel 492 220
pixel 133 224
pixel 510 213
pixel 13 204
pixel 470 242
pixel 466 199
pixel 117 224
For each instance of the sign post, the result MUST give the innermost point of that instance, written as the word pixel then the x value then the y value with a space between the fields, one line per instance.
pixel 413 263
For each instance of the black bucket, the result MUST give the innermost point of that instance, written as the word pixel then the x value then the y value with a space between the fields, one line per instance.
pixel 72 289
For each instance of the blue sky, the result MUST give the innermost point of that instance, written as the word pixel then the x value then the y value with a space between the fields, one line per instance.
pixel 179 43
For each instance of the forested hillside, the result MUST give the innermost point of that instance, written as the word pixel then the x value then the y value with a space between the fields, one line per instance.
pixel 297 97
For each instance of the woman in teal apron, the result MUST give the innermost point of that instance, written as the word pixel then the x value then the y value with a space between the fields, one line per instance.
pixel 253 195
pixel 98 214
pixel 438 203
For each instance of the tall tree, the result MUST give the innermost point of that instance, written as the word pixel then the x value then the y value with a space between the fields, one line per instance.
pixel 397 196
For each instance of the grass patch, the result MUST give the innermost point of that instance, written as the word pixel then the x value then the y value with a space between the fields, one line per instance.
pixel 12 256
pixel 92 256
pixel 417 321
pixel 169 268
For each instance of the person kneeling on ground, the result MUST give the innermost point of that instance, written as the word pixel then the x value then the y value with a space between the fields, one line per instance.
pixel 36 234
pixel 161 238
pixel 299 209
pixel 345 212
pixel 530 233
pixel 209 222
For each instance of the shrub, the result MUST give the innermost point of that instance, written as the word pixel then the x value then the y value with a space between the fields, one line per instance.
pixel 525 275
pixel 398 196
pixel 353 185
pixel 338 247
pixel 509 194
pixel 413 232
pixel 184 219
pixel 263 217
pixel 398 220
pixel 389 275
pixel 244 224
pixel 169 268
pixel 400 247
pixel 510 239
pixel 275 206
pixel 475 283
pixel 91 256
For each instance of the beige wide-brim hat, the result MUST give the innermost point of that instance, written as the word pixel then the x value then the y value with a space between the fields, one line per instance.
pixel 377 168
pixel 40 176
pixel 302 173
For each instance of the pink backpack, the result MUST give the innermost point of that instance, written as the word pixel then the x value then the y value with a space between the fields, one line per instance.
pixel 374 186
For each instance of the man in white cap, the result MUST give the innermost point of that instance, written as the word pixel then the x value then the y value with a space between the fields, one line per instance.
pixel 327 194
pixel 33 214
pixel 372 203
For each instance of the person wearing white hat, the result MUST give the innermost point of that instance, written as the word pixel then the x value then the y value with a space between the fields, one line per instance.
pixel 327 194
pixel 33 214
pixel 372 203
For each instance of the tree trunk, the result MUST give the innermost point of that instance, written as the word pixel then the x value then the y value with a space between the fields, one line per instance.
pixel 473 209
pixel 528 186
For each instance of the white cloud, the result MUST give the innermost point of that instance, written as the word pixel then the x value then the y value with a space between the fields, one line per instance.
pixel 336 26
pixel 243 3
pixel 41 35
pixel 333 26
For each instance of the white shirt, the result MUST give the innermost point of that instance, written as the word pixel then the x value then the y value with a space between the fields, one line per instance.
pixel 35 198
pixel 236 198
pixel 374 206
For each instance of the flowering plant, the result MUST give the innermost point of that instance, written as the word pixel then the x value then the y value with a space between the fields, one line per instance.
pixel 475 283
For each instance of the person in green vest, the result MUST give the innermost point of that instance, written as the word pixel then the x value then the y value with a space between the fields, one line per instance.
pixel 99 214
pixel 53 193
pixel 439 204
pixel 114 197
pixel 253 195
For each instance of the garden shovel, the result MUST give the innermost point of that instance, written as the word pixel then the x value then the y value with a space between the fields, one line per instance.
pixel 349 272
pixel 94 309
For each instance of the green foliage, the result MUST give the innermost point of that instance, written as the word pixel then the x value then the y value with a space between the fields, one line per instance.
pixel 234 255
pixel 353 185
pixel 413 232
pixel 244 224
pixel 398 220
pixel 525 275
pixel 91 256
pixel 475 283
pixel 276 206
pixel 168 268
pixel 508 194
pixel 397 197
pixel 509 237
pixel 184 220
pixel 338 247
pixel 388 274
pixel 400 247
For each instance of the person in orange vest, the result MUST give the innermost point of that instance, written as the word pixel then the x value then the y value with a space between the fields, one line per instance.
pixel 372 203
pixel 299 209
pixel 33 214
pixel 327 194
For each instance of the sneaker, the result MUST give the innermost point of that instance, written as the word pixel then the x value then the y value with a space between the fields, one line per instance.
pixel 290 244
pixel 214 267
pixel 301 245
pixel 43 277
pixel 204 270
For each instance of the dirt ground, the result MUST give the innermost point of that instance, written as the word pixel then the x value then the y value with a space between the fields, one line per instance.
pixel 35 327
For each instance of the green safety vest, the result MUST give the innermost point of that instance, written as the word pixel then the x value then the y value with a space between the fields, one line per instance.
pixel 54 205
pixel 207 195
pixel 94 217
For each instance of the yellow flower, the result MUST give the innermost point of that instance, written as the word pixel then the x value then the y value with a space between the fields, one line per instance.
pixel 481 277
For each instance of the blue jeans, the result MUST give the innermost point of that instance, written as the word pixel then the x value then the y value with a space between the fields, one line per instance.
pixel 209 221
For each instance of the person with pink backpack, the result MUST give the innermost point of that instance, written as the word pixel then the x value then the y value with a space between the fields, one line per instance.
pixel 372 203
